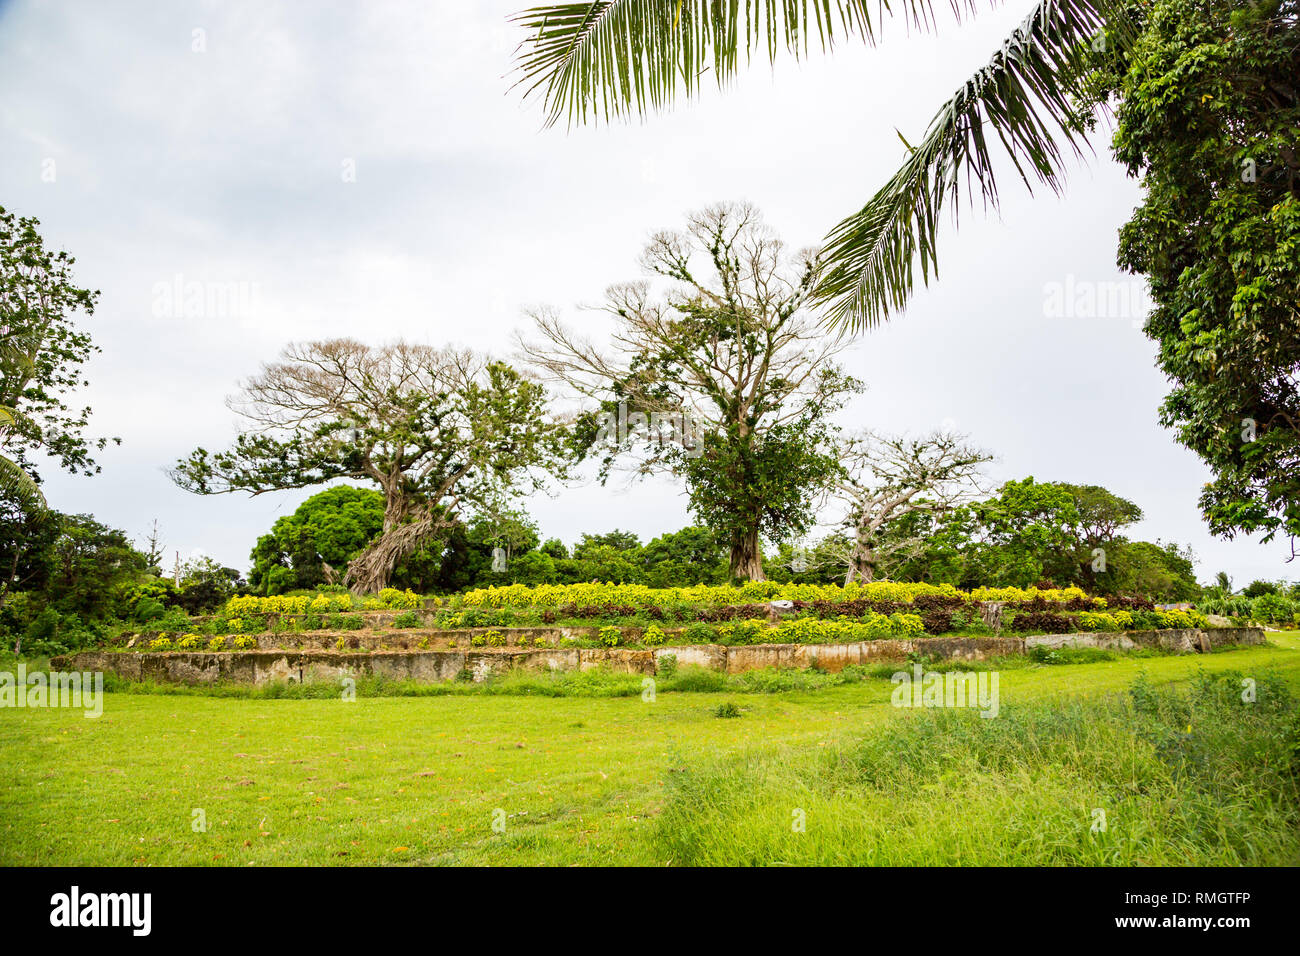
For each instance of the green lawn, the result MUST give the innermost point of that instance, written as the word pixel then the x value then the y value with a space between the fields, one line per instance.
pixel 417 780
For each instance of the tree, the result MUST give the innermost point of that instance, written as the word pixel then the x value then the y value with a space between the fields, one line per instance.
pixel 1023 534
pixel 316 543
pixel 26 544
pixel 1030 531
pixel 41 359
pixel 1156 571
pixel 154 549
pixel 1259 588
pixel 205 585
pixel 602 562
pixel 1207 112
pixel 1209 118
pixel 693 555
pixel 729 348
pixel 885 479
pixel 70 572
pixel 616 539
pixel 14 481
pixel 555 548
pixel 438 430
pixel 1102 515
pixel 1222 586
pixel 817 562
pixel 507 529
pixel 90 562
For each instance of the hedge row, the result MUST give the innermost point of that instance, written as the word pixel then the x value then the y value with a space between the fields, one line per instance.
pixel 389 599
pixel 556 596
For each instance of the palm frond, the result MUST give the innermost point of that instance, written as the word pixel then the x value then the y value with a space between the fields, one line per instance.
pixel 1027 97
pixel 615 58
pixel 19 486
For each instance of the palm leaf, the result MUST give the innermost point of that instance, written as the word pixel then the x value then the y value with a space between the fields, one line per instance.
pixel 1026 97
pixel 16 484
pixel 614 58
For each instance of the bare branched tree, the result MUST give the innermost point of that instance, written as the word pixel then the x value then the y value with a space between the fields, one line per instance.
pixel 154 549
pixel 436 429
pixel 889 479
pixel 730 346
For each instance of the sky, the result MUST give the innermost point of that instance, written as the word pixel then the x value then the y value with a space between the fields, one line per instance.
pixel 327 169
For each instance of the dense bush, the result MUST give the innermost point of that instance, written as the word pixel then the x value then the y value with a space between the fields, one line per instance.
pixel 1274 608
pixel 1041 622
pixel 387 599
pixel 639 596
pixel 937 621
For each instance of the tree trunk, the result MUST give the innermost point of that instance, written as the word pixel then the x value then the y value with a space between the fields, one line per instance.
pixel 862 565
pixel 747 558
pixel 371 570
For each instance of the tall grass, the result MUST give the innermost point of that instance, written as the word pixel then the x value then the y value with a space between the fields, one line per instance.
pixel 1158 777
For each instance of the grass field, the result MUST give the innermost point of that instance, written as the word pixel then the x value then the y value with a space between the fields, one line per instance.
pixel 617 780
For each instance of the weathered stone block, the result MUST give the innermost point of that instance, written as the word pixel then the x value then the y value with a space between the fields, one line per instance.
pixel 711 656
pixel 756 656
pixel 621 660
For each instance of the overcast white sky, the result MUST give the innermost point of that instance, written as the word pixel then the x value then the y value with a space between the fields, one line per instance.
pixel 225 166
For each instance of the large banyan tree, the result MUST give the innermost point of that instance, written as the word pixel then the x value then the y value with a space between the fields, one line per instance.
pixel 724 340
pixel 440 431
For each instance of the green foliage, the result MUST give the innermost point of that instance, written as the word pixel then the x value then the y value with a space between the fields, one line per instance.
pixel 753 487
pixel 693 555
pixel 41 358
pixel 80 576
pixel 1259 588
pixel 1208 117
pixel 329 528
pixel 1274 609
pixel 554 548
pixel 439 430
pixel 1157 571
pixel 206 585
pixel 666 666
pixel 698 632
pixel 1184 775
pixel 592 545
pixel 737 347
pixel 1069 535
pixel 727 709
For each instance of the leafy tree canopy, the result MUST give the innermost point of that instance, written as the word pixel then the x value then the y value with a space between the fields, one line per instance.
pixel 41 358
pixel 315 544
pixel 1209 118
pixel 442 432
